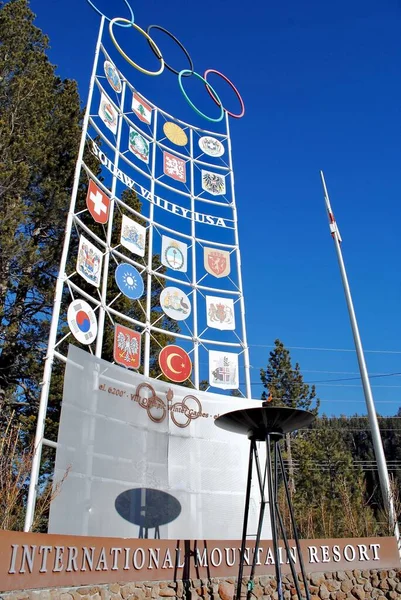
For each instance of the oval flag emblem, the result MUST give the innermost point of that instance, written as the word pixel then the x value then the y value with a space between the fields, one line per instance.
pixel 175 303
pixel 82 321
pixel 175 363
pixel 129 281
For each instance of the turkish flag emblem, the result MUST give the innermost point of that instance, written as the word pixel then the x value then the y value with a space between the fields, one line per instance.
pixel 175 363
pixel 98 203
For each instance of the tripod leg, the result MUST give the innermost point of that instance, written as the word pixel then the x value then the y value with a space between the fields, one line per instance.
pixel 262 483
pixel 280 520
pixel 245 526
pixel 294 526
pixel 272 502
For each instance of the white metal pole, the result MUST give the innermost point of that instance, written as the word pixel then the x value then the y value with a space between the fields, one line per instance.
pixel 40 426
pixel 194 280
pixel 238 255
pixel 376 437
pixel 106 262
pixel 146 359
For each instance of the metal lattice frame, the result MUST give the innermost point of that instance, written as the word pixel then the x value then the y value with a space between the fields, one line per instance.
pixel 197 339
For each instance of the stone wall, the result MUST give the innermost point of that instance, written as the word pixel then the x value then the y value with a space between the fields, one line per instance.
pixel 340 585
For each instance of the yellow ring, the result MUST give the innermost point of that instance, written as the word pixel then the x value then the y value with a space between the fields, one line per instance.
pixel 127 58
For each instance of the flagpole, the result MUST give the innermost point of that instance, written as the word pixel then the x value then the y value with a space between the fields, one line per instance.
pixel 374 426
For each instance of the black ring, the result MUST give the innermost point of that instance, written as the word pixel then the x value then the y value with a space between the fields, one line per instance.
pixel 191 64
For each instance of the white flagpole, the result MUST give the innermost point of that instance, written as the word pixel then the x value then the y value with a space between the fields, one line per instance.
pixel 374 426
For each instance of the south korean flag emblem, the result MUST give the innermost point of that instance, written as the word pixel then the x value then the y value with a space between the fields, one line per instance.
pixel 82 321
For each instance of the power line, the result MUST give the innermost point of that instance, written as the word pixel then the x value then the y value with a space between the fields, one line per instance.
pixel 353 429
pixel 313 348
pixel 364 469
pixel 343 401
pixel 260 383
pixel 372 373
pixel 335 463
pixel 341 385
pixel 396 374
pixel 337 379
pixel 350 385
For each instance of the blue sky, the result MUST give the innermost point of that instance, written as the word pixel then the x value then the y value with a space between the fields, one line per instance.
pixel 321 85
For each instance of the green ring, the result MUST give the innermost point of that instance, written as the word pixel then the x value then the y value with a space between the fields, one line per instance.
pixel 107 18
pixel 192 105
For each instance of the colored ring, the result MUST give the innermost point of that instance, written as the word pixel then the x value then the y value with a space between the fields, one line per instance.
pixel 215 96
pixel 127 58
pixel 107 18
pixel 191 64
pixel 180 75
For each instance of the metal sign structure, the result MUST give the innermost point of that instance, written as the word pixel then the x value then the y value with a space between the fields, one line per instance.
pixel 151 261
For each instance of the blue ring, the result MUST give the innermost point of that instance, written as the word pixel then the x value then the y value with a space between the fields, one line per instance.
pixel 192 105
pixel 107 18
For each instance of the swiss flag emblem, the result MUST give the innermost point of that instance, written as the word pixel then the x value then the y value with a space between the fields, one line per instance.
pixel 98 203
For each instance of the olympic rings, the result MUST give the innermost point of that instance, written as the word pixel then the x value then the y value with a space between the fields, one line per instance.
pixel 127 58
pixel 182 408
pixel 220 118
pixel 107 18
pixel 121 22
pixel 152 402
pixel 156 403
pixel 230 83
pixel 191 64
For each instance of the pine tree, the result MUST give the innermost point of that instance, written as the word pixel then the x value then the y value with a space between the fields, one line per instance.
pixel 40 130
pixel 357 438
pixel 40 121
pixel 330 499
pixel 285 387
pixel 284 383
pixel 332 496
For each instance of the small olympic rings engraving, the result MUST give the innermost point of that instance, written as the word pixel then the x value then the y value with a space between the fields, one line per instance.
pixel 180 75
pixel 107 18
pixel 153 403
pixel 191 65
pixel 157 408
pixel 127 58
pixel 187 411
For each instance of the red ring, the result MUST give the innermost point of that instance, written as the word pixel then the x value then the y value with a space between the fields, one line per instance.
pixel 230 83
